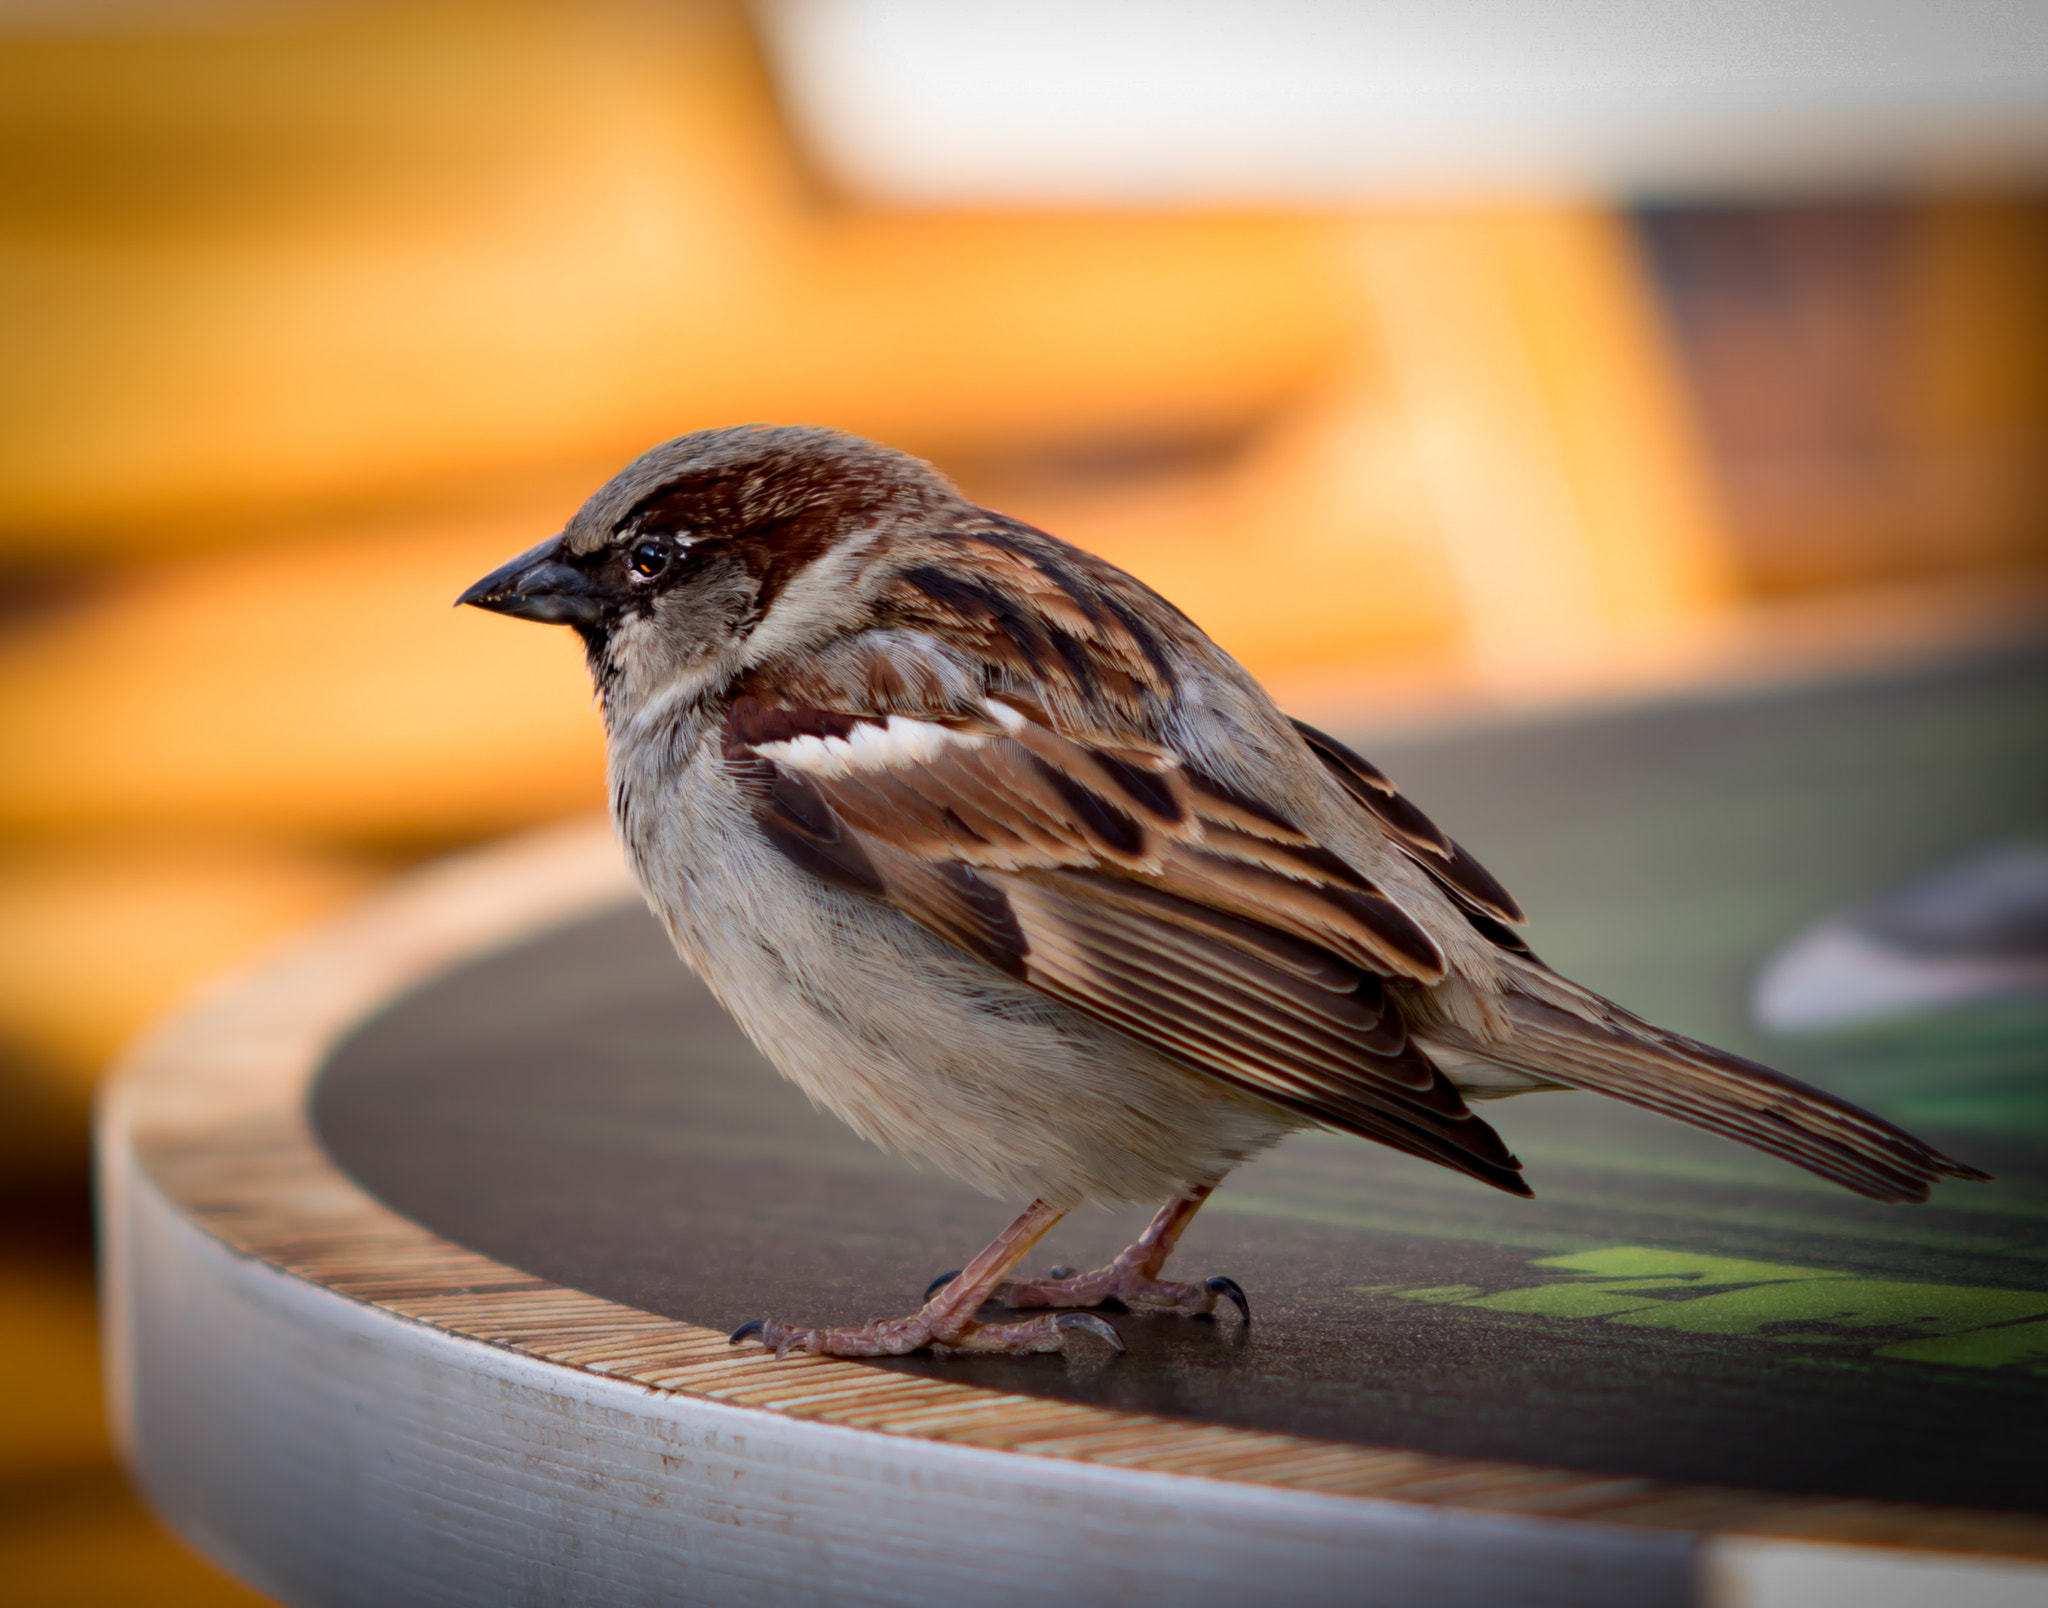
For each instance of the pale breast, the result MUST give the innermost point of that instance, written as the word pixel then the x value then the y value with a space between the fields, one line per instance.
pixel 919 1047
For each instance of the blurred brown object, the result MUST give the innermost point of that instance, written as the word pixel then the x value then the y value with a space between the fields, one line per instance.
pixel 1497 468
pixel 1873 380
pixel 309 257
pixel 318 690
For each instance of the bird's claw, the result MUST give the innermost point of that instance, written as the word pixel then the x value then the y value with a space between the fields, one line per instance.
pixel 1089 1323
pixel 1219 1285
pixel 752 1327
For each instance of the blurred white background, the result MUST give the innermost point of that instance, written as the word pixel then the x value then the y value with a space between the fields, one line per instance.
pixel 1150 102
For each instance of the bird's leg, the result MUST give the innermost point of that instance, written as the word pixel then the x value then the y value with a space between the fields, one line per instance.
pixel 1133 1278
pixel 946 1321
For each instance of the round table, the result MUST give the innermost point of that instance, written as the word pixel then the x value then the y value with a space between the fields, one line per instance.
pixel 423 1238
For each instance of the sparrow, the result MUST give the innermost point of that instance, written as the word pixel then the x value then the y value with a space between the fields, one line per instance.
pixel 996 856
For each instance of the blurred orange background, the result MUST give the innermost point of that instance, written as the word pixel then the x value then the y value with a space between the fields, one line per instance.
pixel 315 312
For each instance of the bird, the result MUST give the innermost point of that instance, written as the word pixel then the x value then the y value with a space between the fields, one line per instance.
pixel 996 856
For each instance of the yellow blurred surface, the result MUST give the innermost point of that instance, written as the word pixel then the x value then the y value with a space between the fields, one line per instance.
pixel 314 313
pixel 322 689
pixel 356 249
pixel 96 1545
pixel 97 941
pixel 56 1428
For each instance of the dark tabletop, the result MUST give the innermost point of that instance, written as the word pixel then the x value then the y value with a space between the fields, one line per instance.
pixel 1670 1304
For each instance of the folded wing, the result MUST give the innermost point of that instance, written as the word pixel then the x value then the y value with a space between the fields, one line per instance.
pixel 1117 879
pixel 1114 875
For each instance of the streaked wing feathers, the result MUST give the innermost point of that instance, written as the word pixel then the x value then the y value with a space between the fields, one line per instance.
pixel 1461 876
pixel 1108 877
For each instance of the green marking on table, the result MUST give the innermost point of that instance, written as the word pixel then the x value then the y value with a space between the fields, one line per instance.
pixel 1771 1301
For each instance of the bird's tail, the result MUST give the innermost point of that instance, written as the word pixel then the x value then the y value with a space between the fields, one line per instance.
pixel 1632 1060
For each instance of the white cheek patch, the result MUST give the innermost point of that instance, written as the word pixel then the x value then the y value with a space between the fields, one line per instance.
pixel 899 743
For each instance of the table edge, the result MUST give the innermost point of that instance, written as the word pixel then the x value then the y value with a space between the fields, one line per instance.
pixel 212 1107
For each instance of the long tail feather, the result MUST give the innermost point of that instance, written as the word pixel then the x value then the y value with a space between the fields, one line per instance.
pixel 1632 1060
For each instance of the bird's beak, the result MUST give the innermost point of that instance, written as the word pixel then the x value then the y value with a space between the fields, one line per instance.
pixel 538 585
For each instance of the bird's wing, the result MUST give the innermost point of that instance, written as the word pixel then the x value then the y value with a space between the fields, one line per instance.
pixel 1474 889
pixel 1115 876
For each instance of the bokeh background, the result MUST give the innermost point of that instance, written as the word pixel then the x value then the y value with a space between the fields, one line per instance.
pixel 1440 360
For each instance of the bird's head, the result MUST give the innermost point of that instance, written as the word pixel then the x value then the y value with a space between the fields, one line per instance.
pixel 714 552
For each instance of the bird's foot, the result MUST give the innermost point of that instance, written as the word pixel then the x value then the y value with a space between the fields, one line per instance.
pixel 945 1332
pixel 946 1323
pixel 1128 1282
pixel 1133 1278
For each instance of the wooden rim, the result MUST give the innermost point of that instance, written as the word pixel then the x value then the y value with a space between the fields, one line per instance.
pixel 212 1109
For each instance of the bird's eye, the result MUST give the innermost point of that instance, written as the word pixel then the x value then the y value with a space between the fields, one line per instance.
pixel 648 558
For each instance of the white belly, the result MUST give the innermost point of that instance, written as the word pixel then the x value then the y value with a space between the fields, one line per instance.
pixel 922 1049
